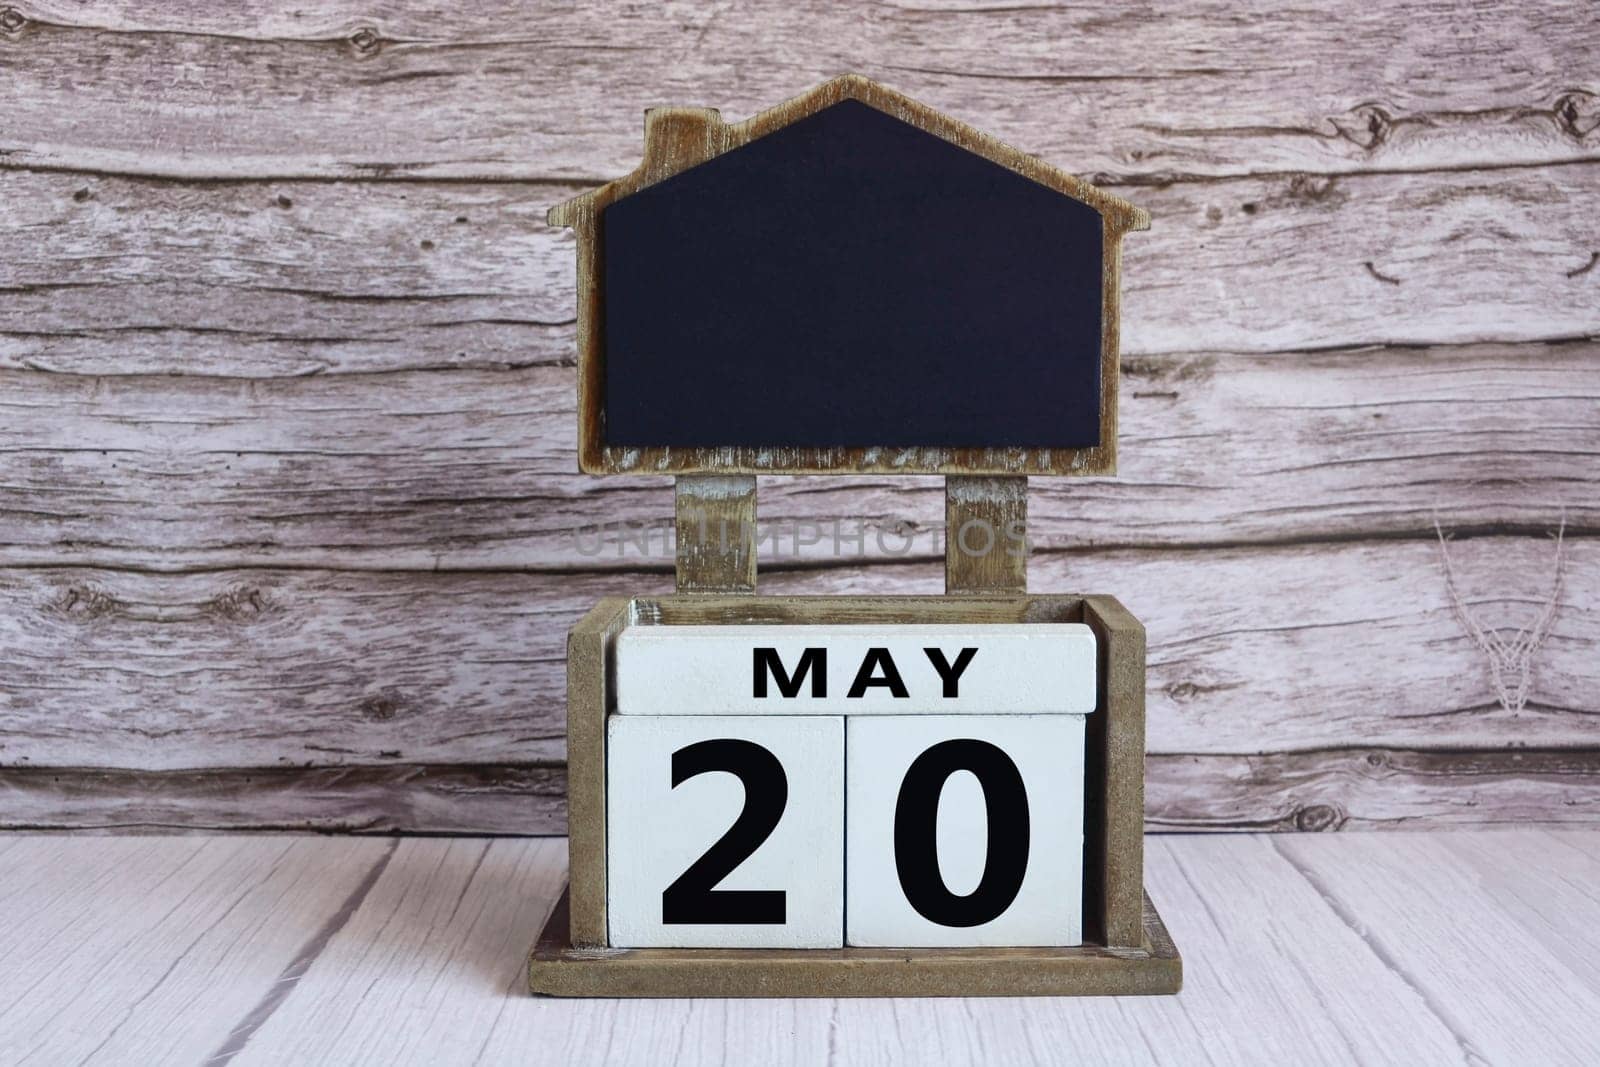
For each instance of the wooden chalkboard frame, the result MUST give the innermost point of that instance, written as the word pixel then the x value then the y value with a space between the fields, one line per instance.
pixel 677 138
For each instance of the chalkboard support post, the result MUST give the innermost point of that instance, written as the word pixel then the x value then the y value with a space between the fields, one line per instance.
pixel 985 525
pixel 716 533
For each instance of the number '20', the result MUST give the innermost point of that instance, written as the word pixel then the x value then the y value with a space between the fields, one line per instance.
pixel 694 898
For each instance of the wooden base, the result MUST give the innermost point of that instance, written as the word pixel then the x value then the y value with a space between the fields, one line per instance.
pixel 560 970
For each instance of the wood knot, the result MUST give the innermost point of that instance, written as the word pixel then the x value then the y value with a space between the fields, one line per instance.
pixel 1156 369
pixel 1308 188
pixel 242 602
pixel 11 20
pixel 1316 818
pixel 381 707
pixel 1367 127
pixel 83 602
pixel 1577 113
pixel 366 41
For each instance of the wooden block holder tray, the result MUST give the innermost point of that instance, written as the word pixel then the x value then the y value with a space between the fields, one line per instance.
pixel 1126 948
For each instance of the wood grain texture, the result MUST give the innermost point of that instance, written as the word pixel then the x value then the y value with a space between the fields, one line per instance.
pixel 151 949
pixel 405 471
pixel 264 279
pixel 1264 943
pixel 247 411
pixel 369 689
pixel 1557 879
pixel 589 700
pixel 1317 790
pixel 393 797
pixel 986 526
pixel 1415 948
pixel 558 968
pixel 1385 895
pixel 714 518
pixel 443 929
pixel 507 91
pixel 286 667
pixel 1358 788
pixel 1114 772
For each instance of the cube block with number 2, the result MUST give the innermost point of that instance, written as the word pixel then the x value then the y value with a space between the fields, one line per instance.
pixel 725 831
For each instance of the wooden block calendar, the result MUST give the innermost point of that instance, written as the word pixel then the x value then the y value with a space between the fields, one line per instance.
pixel 851 796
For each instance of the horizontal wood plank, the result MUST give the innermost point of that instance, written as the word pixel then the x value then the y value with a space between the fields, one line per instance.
pixel 253 279
pixel 1322 790
pixel 118 276
pixel 1251 649
pixel 405 471
pixel 1360 788
pixel 504 90
pixel 392 797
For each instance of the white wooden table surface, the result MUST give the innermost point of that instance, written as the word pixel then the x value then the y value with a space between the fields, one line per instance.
pixel 1376 948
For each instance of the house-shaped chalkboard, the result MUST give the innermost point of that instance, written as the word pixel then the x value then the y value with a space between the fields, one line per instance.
pixel 848 282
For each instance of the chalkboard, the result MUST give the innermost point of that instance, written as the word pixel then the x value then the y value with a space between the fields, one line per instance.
pixel 851 281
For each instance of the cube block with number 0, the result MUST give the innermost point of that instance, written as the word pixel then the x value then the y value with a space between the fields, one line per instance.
pixel 964 830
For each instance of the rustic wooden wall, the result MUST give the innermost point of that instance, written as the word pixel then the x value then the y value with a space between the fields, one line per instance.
pixel 287 413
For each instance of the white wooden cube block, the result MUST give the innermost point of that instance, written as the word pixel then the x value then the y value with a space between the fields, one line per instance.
pixel 856 669
pixel 746 850
pixel 964 830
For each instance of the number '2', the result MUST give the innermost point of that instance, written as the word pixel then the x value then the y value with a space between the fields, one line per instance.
pixel 694 898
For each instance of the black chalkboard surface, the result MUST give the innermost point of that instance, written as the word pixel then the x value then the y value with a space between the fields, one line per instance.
pixel 851 281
